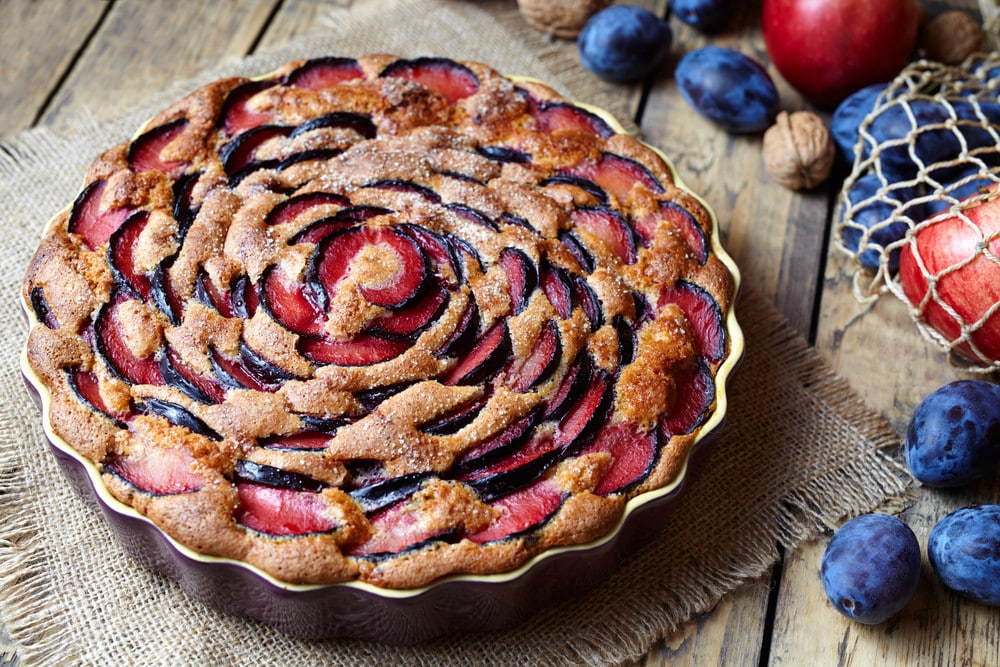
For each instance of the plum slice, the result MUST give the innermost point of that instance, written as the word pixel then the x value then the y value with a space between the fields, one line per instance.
pixel 303 441
pixel 184 209
pixel 293 207
pixel 236 116
pixel 163 294
pixel 681 220
pixel 453 80
pixel 361 350
pixel 541 362
pixel 695 395
pixel 343 219
pixel 158 472
pixel 576 247
pixel 464 336
pixel 522 277
pixel 586 298
pixel 240 300
pixel 282 512
pixel 374 397
pixel 405 186
pixel 398 529
pixel 617 175
pixel 40 306
pixel 239 153
pixel 437 249
pixel 409 321
pixel 610 228
pixel 110 342
pixel 249 371
pixel 144 153
pixel 121 255
pixel 260 473
pixel 556 286
pixel 391 267
pixel 500 446
pixel 513 468
pixel 379 495
pixel 591 188
pixel 485 359
pixel 588 414
pixel 574 383
pixel 633 451
pixel 360 123
pixel 291 304
pixel 87 388
pixel 626 340
pixel 455 420
pixel 474 216
pixel 552 116
pixel 94 225
pixel 504 154
pixel 311 155
pixel 703 313
pixel 522 510
pixel 465 254
pixel 325 72
pixel 179 416
pixel 178 374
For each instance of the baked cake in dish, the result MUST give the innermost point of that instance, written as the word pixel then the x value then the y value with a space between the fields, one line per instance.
pixel 380 320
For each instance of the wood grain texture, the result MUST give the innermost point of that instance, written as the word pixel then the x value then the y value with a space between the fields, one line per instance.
pixel 40 41
pixel 142 47
pixel 730 635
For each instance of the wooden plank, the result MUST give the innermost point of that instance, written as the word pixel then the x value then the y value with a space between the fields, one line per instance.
pixel 729 635
pixel 143 47
pixel 775 235
pixel 40 41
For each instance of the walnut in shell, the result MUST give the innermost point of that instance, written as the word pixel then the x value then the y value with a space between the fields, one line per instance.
pixel 562 18
pixel 951 37
pixel 798 150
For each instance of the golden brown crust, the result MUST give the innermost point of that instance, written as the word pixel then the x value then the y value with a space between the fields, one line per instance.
pixel 226 324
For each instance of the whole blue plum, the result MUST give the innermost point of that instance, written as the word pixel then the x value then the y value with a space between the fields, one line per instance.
pixel 728 87
pixel 871 216
pixel 964 550
pixel 871 568
pixel 954 434
pixel 848 116
pixel 624 43
pixel 702 14
pixel 920 122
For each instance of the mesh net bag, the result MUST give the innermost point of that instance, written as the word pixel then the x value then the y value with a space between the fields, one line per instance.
pixel 916 212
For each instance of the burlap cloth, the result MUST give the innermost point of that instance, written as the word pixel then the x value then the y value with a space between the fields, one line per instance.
pixel 799 452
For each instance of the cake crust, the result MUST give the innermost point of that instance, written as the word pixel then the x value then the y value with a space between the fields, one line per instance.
pixel 379 319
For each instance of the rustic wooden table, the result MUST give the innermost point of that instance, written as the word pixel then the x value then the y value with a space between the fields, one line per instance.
pixel 60 58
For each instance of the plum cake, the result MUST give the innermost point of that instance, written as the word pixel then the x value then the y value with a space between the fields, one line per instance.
pixel 380 319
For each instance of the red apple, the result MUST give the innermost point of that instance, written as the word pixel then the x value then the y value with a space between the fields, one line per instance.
pixel 828 49
pixel 961 251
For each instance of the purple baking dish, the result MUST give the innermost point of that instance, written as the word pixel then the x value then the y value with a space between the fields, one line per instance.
pixel 452 605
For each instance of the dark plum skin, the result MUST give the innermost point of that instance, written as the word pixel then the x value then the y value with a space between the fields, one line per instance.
pixel 729 88
pixel 848 116
pixel 964 550
pixel 624 43
pixel 704 15
pixel 869 215
pixel 871 568
pixel 954 435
